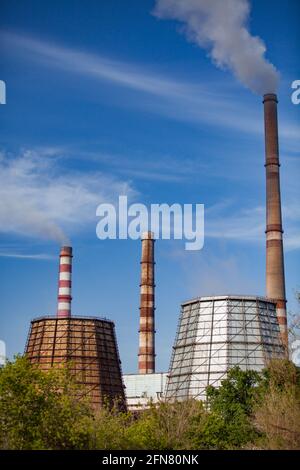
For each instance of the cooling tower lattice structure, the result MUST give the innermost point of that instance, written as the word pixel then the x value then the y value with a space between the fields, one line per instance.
pixel 217 333
pixel 88 345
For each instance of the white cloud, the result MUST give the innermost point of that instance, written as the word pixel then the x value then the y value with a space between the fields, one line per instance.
pixel 40 198
pixel 197 103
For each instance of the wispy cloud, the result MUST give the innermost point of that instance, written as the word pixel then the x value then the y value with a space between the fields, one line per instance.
pixel 97 66
pixel 144 165
pixel 235 224
pixel 38 256
pixel 40 198
pixel 227 222
pixel 184 101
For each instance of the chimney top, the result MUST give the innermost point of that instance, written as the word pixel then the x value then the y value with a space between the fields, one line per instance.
pixel 270 97
pixel 66 249
pixel 147 236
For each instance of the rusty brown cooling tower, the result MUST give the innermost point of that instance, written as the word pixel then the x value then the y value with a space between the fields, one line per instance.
pixel 87 344
pixel 64 282
pixel 275 281
pixel 147 308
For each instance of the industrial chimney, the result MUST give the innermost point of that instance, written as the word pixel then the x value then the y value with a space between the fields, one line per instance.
pixel 275 281
pixel 64 282
pixel 147 308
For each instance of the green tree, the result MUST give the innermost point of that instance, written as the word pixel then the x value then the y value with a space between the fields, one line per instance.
pixel 166 426
pixel 236 393
pixel 47 410
pixel 228 424
pixel 277 414
pixel 110 428
pixel 41 410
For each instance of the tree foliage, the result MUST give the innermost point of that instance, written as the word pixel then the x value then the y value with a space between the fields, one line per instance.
pixel 41 410
pixel 47 410
pixel 167 425
pixel 277 413
pixel 228 424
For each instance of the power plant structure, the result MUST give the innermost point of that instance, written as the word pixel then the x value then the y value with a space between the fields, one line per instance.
pixel 275 280
pixel 65 282
pixel 214 333
pixel 87 344
pixel 147 385
pixel 219 332
pixel 143 389
pixel 147 307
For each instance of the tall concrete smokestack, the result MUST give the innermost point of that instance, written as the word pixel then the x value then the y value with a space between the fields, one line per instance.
pixel 275 281
pixel 147 308
pixel 65 282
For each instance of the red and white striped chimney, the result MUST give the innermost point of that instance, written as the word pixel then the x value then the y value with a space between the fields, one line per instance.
pixel 65 282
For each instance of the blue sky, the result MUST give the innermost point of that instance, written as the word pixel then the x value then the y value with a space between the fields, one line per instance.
pixel 104 98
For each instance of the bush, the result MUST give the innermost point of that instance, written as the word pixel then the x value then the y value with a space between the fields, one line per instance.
pixel 228 424
pixel 277 414
pixel 166 426
pixel 42 410
pixel 39 410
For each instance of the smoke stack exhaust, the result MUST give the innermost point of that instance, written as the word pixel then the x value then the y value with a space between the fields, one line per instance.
pixel 147 308
pixel 65 282
pixel 275 281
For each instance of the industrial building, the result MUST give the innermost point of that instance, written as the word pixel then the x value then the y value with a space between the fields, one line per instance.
pixel 143 389
pixel 220 332
pixel 214 333
pixel 146 386
pixel 87 344
pixel 217 333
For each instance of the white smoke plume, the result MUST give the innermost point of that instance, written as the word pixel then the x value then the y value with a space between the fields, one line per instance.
pixel 23 191
pixel 221 27
pixel 42 199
